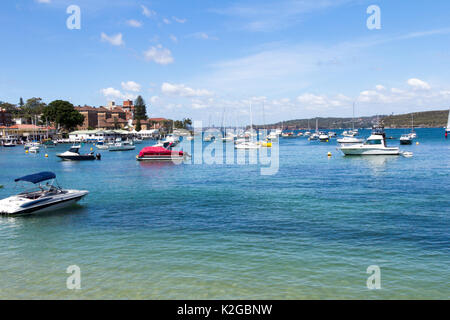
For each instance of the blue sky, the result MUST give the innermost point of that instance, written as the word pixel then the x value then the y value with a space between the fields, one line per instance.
pixel 202 59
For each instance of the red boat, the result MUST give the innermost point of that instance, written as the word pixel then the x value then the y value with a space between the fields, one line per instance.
pixel 160 154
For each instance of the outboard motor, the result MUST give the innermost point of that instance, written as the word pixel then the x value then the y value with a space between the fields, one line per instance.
pixel 98 156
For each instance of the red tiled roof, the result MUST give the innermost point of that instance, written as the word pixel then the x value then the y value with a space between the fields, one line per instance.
pixel 157 119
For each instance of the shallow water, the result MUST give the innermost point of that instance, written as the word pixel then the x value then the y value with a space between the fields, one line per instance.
pixel 227 232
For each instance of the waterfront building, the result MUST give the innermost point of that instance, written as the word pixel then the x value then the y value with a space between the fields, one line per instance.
pixel 25 132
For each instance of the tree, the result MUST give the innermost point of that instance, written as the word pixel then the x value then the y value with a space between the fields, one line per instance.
pixel 187 122
pixel 9 107
pixel 63 114
pixel 21 102
pixel 138 125
pixel 140 110
pixel 32 108
pixel 178 124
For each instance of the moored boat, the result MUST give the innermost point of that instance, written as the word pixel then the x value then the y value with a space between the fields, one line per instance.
pixel 374 145
pixel 73 154
pixel 160 154
pixel 43 198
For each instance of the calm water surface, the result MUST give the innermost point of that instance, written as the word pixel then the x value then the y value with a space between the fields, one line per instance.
pixel 225 231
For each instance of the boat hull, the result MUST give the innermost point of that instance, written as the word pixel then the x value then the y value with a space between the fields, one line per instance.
pixel 357 151
pixel 77 158
pixel 47 206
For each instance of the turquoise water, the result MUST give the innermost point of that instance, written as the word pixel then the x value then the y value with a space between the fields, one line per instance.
pixel 227 232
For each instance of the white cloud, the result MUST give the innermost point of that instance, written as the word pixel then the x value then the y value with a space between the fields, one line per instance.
pixel 313 101
pixel 114 94
pixel 418 84
pixel 43 1
pixel 159 55
pixel 179 20
pixel 147 12
pixel 173 38
pixel 183 91
pixel 202 36
pixel 115 40
pixel 131 86
pixel 166 21
pixel 134 23
pixel 380 87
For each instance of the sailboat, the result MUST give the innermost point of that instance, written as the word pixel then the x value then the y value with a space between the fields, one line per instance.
pixel 250 144
pixel 315 135
pixel 448 122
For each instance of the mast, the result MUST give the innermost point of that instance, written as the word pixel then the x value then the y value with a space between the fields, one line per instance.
pixel 448 121
pixel 353 117
pixel 251 120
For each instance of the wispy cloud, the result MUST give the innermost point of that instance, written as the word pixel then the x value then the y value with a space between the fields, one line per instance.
pixel 202 36
pixel 147 12
pixel 115 40
pixel 275 15
pixel 134 23
pixel 43 1
pixel 179 20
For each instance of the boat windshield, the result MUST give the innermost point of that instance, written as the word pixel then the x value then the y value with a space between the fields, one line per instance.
pixel 74 149
pixel 373 142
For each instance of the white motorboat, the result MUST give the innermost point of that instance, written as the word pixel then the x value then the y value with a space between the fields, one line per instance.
pixel 374 145
pixel 248 145
pixel 73 154
pixel 406 139
pixel 9 144
pixel 34 149
pixel 323 137
pixel 29 145
pixel 42 198
pixel 122 146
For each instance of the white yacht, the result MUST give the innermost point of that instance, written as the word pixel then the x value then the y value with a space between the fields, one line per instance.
pixel 122 146
pixel 374 145
pixel 41 198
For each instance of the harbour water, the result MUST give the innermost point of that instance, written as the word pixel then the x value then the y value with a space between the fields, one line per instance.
pixel 162 231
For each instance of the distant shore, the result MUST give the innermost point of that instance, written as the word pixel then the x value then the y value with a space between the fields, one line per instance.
pixel 426 119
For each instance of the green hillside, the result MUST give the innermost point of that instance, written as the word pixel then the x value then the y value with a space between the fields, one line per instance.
pixel 421 119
